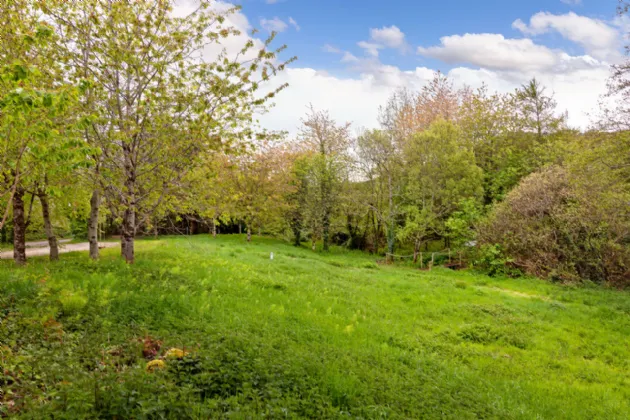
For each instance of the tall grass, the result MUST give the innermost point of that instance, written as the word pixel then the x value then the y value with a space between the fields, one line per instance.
pixel 303 335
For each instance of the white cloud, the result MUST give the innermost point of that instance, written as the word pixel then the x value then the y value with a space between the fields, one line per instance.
pixel 576 81
pixel 391 37
pixel 349 58
pixel 331 49
pixel 232 44
pixel 370 48
pixel 294 24
pixel 274 25
pixel 598 39
pixel 385 37
pixel 492 51
pixel 357 99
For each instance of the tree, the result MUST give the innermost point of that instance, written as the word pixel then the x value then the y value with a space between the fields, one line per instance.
pixel 158 102
pixel 380 163
pixel 441 173
pixel 261 182
pixel 297 198
pixel 615 106
pixel 407 113
pixel 536 111
pixel 34 114
pixel 328 142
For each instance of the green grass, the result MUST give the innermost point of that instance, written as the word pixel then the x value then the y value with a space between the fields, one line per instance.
pixel 305 335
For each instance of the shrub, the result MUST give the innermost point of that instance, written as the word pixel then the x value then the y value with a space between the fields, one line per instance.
pixel 492 259
pixel 559 227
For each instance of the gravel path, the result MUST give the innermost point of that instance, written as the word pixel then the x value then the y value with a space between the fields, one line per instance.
pixel 44 244
pixel 63 248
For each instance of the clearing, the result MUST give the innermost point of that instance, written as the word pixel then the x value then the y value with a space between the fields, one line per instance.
pixel 303 335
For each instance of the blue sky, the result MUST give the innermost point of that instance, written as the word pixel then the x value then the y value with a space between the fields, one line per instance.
pixel 353 54
pixel 343 23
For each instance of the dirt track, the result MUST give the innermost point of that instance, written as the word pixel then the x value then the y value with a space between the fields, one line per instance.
pixel 63 248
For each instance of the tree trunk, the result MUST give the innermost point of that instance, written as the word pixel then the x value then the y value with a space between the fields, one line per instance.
pixel 93 225
pixel 249 233
pixel 240 228
pixel 129 216
pixel 128 236
pixel 390 241
pixel 326 230
pixel 416 250
pixel 214 228
pixel 313 243
pixel 50 234
pixel 297 235
pixel 391 233
pixel 19 228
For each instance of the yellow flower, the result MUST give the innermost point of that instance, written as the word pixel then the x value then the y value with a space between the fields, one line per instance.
pixel 155 365
pixel 175 353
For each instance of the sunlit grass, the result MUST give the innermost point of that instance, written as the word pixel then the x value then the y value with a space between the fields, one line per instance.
pixel 307 334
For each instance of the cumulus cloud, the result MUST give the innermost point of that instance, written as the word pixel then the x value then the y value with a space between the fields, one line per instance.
pixel 370 48
pixel 598 39
pixel 274 25
pixel 577 81
pixel 492 51
pixel 385 37
pixel 349 58
pixel 231 45
pixel 391 37
pixel 356 99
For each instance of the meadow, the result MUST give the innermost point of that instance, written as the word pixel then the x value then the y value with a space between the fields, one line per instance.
pixel 305 335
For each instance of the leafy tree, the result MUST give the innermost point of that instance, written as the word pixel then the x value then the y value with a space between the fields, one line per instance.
pixel 420 225
pixel 407 112
pixel 328 142
pixel 297 198
pixel 536 111
pixel 441 173
pixel 380 163
pixel 261 182
pixel 34 119
pixel 158 101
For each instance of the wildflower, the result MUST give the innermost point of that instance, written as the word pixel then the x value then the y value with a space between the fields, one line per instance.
pixel 155 365
pixel 175 353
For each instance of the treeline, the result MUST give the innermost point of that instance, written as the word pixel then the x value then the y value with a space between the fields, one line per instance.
pixel 500 176
pixel 120 114
pixel 107 108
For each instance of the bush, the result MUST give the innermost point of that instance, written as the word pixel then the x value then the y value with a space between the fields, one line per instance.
pixel 492 259
pixel 559 227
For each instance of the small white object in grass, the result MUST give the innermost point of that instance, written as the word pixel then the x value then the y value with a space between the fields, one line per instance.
pixel 271 256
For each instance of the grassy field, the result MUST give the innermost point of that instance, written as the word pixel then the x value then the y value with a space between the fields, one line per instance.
pixel 303 335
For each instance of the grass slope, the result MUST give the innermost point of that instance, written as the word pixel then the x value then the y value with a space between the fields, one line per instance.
pixel 305 335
